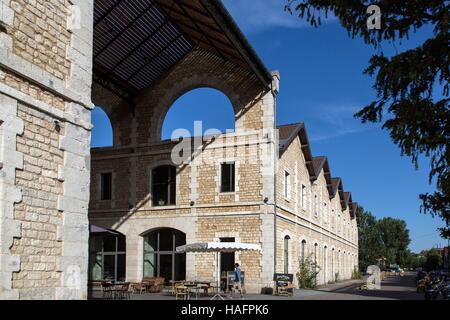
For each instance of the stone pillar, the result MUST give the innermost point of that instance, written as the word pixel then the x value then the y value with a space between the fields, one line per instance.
pixel 10 160
pixel 73 204
pixel 269 157
pixel 52 248
pixel 134 257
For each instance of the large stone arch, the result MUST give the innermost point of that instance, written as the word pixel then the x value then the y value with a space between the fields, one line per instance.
pixel 184 86
pixel 114 107
pixel 152 105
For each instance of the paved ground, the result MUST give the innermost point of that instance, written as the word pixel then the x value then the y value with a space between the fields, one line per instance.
pixel 394 288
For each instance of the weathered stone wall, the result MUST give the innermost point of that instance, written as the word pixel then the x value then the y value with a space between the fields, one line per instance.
pixel 41 36
pixel 45 85
pixel 38 213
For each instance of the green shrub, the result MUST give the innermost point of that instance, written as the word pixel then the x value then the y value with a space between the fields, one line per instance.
pixel 356 275
pixel 307 276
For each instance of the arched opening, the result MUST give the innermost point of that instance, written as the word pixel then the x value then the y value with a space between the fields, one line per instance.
pixel 333 267
pixel 303 252
pixel 316 265
pixel 102 132
pixel 160 257
pixel 164 186
pixel 107 255
pixel 286 254
pixel 325 265
pixel 199 112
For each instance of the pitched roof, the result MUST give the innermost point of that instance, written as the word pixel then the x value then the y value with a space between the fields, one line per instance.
pixel 353 209
pixel 287 134
pixel 336 182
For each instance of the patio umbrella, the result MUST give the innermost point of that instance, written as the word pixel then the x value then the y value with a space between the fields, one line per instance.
pixel 93 229
pixel 218 247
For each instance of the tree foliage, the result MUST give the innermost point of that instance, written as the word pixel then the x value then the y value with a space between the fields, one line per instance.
pixel 412 86
pixel 395 240
pixel 386 238
pixel 370 242
pixel 433 260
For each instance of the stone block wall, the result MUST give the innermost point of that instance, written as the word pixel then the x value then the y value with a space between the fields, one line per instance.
pixel 304 225
pixel 45 103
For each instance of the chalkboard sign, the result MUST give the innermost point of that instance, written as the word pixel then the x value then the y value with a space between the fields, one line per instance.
pixel 283 279
pixel 231 276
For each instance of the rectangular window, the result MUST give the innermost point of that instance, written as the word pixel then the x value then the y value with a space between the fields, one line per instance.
pixel 316 205
pixel 287 185
pixel 325 212
pixel 106 186
pixel 164 186
pixel 228 180
pixel 303 200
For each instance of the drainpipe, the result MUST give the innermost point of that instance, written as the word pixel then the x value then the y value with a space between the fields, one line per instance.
pixel 275 91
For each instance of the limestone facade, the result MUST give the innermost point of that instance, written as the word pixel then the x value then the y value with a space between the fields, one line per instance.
pixel 45 106
pixel 318 226
pixel 201 211
pixel 49 183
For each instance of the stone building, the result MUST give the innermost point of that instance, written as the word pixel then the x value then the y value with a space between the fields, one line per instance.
pixel 58 59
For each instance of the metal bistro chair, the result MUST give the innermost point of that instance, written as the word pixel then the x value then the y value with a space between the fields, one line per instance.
pixel 181 292
pixel 122 292
pixel 197 290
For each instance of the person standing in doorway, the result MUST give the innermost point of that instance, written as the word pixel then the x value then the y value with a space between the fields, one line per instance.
pixel 237 281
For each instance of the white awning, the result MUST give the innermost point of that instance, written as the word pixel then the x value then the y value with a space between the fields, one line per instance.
pixel 219 247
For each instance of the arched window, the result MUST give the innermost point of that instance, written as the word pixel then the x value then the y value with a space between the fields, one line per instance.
pixel 333 267
pixel 325 264
pixel 315 252
pixel 160 256
pixel 164 186
pixel 303 256
pixel 316 246
pixel 198 112
pixel 102 133
pixel 286 254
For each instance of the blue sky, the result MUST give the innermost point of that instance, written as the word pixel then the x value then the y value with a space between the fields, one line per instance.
pixel 322 84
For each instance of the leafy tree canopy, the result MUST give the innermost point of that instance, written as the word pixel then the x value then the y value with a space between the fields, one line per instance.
pixel 412 86
pixel 386 238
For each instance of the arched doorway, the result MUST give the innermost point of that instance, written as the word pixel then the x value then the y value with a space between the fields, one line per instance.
pixel 160 256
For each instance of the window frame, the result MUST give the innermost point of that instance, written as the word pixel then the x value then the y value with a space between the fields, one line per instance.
pixel 102 191
pixel 232 177
pixel 171 180
pixel 286 240
pixel 303 194
pixel 287 190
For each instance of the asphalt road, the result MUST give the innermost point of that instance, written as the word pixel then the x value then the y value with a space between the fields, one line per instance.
pixel 393 288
